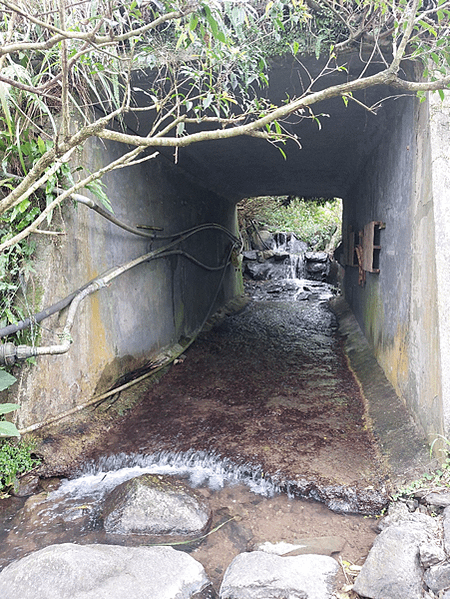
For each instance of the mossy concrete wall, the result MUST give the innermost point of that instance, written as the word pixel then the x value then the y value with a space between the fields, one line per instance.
pixel 400 309
pixel 145 310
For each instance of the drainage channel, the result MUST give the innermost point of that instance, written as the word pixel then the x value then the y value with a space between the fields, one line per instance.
pixel 262 415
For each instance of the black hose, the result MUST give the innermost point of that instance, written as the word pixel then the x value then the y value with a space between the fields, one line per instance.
pixel 63 303
pixel 11 329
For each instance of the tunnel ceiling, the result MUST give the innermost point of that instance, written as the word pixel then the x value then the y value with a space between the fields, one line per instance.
pixel 329 158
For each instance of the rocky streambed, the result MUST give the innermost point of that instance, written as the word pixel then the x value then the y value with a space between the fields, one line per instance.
pixel 266 405
pixel 155 526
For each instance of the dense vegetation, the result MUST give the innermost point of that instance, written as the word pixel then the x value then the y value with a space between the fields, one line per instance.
pixel 316 222
pixel 16 458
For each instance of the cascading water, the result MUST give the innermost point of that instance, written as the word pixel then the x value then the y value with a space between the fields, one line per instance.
pixel 288 270
pixel 292 250
pixel 200 468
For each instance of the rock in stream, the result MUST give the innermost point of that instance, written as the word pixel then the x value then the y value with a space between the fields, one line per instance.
pixel 157 505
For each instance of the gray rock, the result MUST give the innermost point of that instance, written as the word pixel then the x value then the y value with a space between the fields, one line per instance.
pixel 316 267
pixel 399 514
pixel 262 240
pixel 289 243
pixel 259 272
pixel 316 257
pixel 446 527
pixel 26 485
pixel 438 499
pixel 71 571
pixel 412 504
pixel 392 568
pixel 438 577
pixel 259 575
pixel 156 505
pixel 431 554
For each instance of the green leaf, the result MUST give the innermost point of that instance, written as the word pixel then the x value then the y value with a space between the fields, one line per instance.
pixel 41 145
pixel 193 21
pixel 5 408
pixel 8 429
pixel 6 380
pixel 435 58
pixel 441 94
pixel 283 153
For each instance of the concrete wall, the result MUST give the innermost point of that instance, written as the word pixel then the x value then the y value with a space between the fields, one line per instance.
pixel 140 313
pixel 439 128
pixel 398 309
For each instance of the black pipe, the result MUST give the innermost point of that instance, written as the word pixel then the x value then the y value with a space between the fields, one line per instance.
pixel 63 303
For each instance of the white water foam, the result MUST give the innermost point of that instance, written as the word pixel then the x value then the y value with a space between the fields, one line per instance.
pixel 97 479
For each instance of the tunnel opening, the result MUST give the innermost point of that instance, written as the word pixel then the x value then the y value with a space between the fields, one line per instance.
pixel 370 152
pixel 266 397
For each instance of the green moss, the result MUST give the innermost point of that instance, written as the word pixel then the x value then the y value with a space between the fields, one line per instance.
pixel 15 459
pixel 179 317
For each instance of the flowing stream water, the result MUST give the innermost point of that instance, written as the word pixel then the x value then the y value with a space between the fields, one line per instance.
pixel 262 417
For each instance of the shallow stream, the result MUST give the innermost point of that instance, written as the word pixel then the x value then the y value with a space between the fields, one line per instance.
pixel 247 512
pixel 262 415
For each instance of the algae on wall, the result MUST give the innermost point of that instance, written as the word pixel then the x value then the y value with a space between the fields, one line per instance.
pixel 148 308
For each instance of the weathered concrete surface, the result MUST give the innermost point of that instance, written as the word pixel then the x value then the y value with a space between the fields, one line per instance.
pixel 402 445
pixel 144 310
pixel 328 160
pixel 398 309
pixel 391 167
pixel 439 171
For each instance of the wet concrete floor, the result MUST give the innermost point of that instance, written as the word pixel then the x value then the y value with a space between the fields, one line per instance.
pixel 269 387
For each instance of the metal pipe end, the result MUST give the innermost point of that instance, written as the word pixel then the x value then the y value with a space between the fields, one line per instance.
pixel 8 354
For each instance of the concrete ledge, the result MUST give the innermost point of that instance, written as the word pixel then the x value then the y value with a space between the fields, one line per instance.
pixel 403 448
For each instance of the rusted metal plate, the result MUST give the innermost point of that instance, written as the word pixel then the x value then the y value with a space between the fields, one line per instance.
pixel 371 246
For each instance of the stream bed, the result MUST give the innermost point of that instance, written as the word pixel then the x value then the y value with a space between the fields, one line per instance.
pixel 247 511
pixel 262 415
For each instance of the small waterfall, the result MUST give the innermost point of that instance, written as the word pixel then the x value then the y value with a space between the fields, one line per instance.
pixel 288 270
pixel 200 468
pixel 297 267
pixel 292 251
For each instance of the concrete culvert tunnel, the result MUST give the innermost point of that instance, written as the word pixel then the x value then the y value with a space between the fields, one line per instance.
pixel 336 401
pixel 375 152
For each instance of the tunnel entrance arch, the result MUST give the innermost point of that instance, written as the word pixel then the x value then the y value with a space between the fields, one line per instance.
pixel 374 152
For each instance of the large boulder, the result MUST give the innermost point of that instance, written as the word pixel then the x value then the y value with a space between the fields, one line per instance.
pixel 71 571
pixel 259 575
pixel 392 568
pixel 154 504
